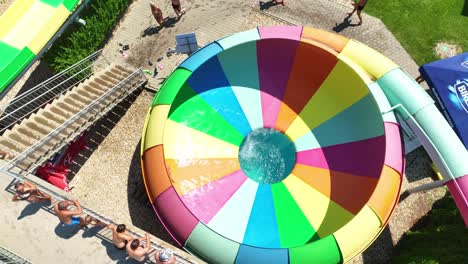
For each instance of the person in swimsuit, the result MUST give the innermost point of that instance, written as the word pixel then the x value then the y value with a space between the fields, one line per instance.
pixel 120 237
pixel 5 155
pixel 157 14
pixel 71 217
pixel 177 8
pixel 172 260
pixel 26 191
pixel 358 6
pixel 136 250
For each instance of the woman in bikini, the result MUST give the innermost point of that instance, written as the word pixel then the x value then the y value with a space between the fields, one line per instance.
pixel 26 191
pixel 157 14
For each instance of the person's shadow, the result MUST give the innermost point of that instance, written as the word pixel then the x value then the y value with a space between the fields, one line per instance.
pixel 66 232
pixel 266 5
pixel 168 22
pixel 113 252
pixel 346 23
pixel 32 208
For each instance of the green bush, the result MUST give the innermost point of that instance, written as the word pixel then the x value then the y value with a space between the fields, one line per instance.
pixel 79 41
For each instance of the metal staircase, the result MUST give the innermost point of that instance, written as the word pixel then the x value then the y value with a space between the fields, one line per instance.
pixel 49 121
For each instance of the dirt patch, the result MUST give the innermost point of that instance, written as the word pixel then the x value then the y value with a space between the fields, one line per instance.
pixel 4 5
pixel 446 50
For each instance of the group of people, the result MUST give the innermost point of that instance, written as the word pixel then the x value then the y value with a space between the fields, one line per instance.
pixel 158 15
pixel 70 213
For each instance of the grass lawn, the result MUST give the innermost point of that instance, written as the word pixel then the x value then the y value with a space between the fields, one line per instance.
pixel 420 24
pixel 439 237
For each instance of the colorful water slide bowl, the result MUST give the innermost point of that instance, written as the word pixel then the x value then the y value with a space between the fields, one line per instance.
pixel 269 146
pixel 25 28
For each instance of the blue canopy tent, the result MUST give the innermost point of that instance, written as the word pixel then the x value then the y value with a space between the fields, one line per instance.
pixel 448 79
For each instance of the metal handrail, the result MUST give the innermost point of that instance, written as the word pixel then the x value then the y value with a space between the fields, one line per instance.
pixel 28 102
pixel 91 107
pixel 7 257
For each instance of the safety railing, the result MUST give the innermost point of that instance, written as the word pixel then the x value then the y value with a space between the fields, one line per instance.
pixel 26 162
pixel 8 257
pixel 27 103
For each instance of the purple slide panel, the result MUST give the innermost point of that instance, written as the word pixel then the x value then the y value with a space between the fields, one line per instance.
pixel 176 218
pixel 459 190
pixel 283 32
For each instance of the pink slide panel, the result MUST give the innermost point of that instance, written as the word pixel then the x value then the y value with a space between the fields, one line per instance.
pixel 393 151
pixel 206 201
pixel 459 190
pixel 270 109
pixel 284 32
pixel 177 219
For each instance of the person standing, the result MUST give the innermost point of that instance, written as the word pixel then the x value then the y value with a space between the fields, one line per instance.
pixel 358 6
pixel 157 14
pixel 177 8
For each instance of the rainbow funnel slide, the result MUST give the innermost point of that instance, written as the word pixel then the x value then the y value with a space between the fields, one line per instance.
pixel 25 29
pixel 276 145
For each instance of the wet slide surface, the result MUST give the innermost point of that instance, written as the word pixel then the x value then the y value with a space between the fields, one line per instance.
pixel 25 28
pixel 270 147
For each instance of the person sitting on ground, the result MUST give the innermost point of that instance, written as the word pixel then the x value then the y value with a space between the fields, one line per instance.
pixel 5 155
pixel 158 261
pixel 136 250
pixel 26 191
pixel 177 8
pixel 71 217
pixel 120 237
pixel 157 14
pixel 358 6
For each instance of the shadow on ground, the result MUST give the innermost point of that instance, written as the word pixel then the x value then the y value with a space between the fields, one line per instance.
pixel 32 208
pixel 266 5
pixel 168 23
pixel 98 132
pixel 141 211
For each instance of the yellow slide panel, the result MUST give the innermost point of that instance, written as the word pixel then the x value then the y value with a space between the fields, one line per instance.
pixel 155 132
pixel 14 13
pixel 29 26
pixel 357 235
pixel 369 59
pixel 49 29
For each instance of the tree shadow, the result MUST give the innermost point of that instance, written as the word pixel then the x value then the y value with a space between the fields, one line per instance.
pixel 140 208
pixel 465 9
pixel 32 208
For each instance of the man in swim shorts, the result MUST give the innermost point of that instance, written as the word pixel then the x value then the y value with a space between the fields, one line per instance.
pixel 120 237
pixel 71 217
pixel 358 6
pixel 27 191
pixel 177 8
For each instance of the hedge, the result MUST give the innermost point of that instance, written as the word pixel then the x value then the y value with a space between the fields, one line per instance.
pixel 79 41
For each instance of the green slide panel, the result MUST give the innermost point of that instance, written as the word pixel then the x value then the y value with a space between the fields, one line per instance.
pixel 325 250
pixel 41 19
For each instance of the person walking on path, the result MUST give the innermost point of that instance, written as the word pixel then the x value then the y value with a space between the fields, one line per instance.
pixel 157 14
pixel 120 237
pixel 177 8
pixel 358 6
pixel 72 217
pixel 136 250
pixel 26 191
